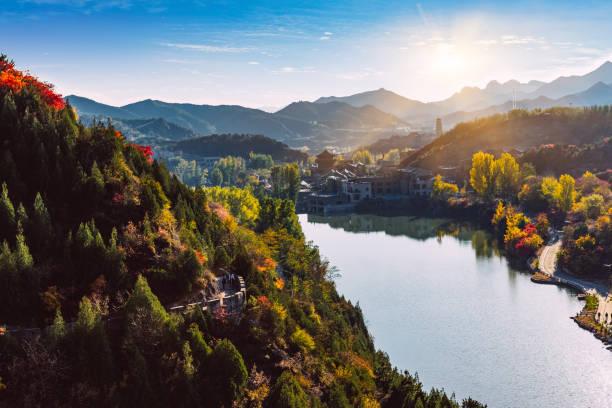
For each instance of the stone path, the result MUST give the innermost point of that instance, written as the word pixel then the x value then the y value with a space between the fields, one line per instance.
pixel 230 299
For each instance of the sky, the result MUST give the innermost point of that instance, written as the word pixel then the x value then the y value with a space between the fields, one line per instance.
pixel 271 53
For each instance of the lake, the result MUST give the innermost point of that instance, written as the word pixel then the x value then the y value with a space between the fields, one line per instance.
pixel 441 301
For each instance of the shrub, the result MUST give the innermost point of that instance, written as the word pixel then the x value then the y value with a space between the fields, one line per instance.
pixel 302 340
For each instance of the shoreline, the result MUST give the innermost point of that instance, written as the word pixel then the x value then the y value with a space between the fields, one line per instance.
pixel 585 319
pixel 537 276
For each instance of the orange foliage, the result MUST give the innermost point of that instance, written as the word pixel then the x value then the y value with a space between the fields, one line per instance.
pixel 200 257
pixel 15 81
pixel 279 283
pixel 263 301
pixel 267 265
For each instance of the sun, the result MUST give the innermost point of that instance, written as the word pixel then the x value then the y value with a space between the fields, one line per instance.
pixel 449 58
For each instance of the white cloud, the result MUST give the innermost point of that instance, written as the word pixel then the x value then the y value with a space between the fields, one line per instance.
pixel 207 48
pixel 292 70
pixel 325 37
pixel 327 33
pixel 175 61
pixel 253 62
pixel 515 39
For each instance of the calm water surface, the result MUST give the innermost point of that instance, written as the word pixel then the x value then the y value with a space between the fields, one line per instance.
pixel 440 301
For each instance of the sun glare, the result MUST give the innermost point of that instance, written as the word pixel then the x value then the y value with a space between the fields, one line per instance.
pixel 448 58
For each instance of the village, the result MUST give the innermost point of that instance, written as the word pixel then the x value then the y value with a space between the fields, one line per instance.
pixel 338 185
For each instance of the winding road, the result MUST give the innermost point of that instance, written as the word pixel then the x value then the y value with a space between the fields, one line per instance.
pixel 548 266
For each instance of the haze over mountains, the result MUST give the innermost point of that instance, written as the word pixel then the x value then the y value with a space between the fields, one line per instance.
pixel 299 124
pixel 564 91
pixel 349 121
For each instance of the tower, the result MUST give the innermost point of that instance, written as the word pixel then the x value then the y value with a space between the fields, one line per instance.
pixel 439 130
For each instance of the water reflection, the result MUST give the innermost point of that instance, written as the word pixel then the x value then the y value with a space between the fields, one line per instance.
pixel 442 301
pixel 419 228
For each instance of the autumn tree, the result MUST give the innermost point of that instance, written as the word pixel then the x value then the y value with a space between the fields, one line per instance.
pixel 285 181
pixel 567 193
pixel 441 189
pixel 482 176
pixel 363 156
pixel 507 175
pixel 551 190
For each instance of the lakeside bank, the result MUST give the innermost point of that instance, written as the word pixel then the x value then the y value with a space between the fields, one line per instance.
pixel 441 299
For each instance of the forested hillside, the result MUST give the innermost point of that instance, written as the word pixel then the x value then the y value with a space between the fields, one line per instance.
pixel 519 131
pixel 237 145
pixel 97 237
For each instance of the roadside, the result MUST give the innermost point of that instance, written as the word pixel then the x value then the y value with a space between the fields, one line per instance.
pixel 548 266
pixel 595 320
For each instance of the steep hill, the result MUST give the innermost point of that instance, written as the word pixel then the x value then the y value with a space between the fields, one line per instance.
pixel 97 237
pixel 237 145
pixel 414 140
pixel 518 130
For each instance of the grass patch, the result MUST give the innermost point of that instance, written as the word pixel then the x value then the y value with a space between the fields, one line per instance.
pixel 592 302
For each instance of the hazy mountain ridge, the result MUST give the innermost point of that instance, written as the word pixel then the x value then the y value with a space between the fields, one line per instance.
pixel 494 98
pixel 295 125
pixel 202 119
pixel 360 118
pixel 597 94
pixel 340 115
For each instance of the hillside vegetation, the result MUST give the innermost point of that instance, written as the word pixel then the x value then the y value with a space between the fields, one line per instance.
pixel 517 129
pixel 97 236
pixel 240 145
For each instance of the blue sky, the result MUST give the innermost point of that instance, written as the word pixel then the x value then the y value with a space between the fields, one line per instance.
pixel 269 53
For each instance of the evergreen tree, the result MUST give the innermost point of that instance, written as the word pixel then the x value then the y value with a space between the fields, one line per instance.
pixel 95 360
pixel 7 214
pixel 57 331
pixel 22 215
pixel 287 393
pixel 41 230
pixel 23 259
pixel 227 372
pixel 222 259
pixel 201 351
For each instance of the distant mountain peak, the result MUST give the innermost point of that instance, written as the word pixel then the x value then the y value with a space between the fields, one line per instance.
pixel 493 84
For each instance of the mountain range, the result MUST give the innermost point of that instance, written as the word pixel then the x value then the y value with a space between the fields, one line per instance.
pixel 348 121
pixel 575 90
pixel 299 124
